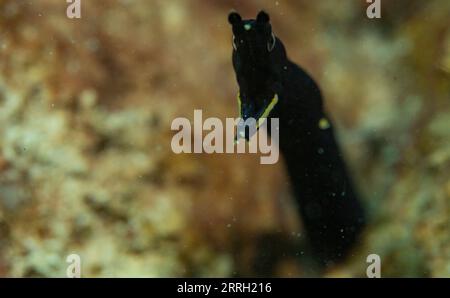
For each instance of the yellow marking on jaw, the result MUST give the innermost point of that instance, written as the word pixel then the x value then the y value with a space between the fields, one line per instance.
pixel 263 117
pixel 267 111
pixel 239 104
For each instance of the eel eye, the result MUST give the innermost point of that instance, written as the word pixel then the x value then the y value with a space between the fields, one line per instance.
pixel 271 43
pixel 234 43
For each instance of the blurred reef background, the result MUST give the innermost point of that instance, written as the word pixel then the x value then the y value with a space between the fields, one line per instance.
pixel 85 159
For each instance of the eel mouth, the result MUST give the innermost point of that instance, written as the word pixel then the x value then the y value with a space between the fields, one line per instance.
pixel 252 117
